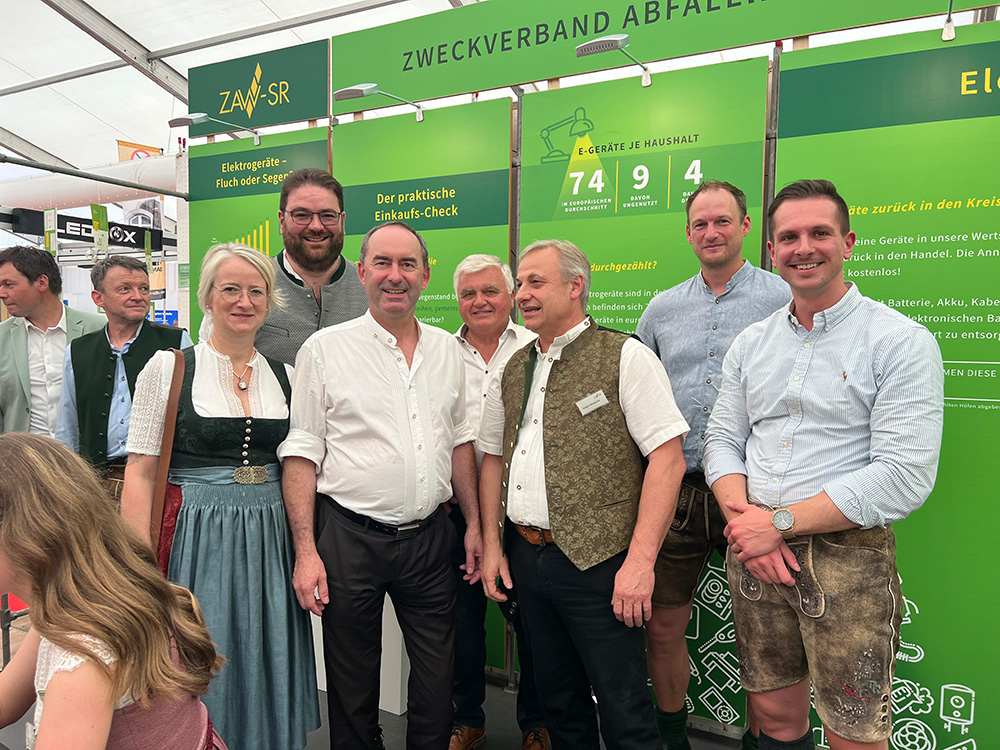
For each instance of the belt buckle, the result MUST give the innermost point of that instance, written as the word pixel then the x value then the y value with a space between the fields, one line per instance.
pixel 407 530
pixel 250 474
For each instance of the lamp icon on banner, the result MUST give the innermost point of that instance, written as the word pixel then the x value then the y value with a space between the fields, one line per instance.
pixel 579 126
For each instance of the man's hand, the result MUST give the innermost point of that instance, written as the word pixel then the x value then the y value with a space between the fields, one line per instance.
pixel 473 554
pixel 632 598
pixel 308 579
pixel 494 565
pixel 774 566
pixel 751 534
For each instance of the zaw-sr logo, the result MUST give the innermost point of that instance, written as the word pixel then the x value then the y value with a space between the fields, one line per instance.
pixel 277 93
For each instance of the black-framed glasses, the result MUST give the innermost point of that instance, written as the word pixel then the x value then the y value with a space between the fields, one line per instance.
pixel 303 218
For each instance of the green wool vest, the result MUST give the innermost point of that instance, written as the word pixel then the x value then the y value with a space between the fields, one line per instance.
pixel 593 468
pixel 94 371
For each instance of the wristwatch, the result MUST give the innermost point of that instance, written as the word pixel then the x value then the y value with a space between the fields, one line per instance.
pixel 784 522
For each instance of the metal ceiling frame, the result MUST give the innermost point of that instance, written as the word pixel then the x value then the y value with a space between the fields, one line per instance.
pixel 29 150
pixel 92 23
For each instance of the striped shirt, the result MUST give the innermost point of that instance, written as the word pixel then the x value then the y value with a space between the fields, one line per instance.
pixel 853 407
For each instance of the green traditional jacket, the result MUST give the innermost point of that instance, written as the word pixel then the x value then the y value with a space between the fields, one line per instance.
pixel 94 370
pixel 593 468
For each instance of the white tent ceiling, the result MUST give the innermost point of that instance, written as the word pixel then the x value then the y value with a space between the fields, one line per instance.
pixel 77 121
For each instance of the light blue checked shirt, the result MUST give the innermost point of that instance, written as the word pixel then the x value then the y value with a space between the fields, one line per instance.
pixel 690 330
pixel 853 407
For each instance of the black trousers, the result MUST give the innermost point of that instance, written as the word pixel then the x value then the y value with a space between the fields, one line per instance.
pixel 579 645
pixel 470 649
pixel 362 566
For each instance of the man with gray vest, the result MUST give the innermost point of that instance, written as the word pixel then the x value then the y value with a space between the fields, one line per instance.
pixel 582 444
pixel 100 368
pixel 319 287
pixel 690 328
pixel 33 340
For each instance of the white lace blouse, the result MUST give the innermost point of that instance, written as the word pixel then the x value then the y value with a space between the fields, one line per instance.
pixel 211 392
pixel 53 659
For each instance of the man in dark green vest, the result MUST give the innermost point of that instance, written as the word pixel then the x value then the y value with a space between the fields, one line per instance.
pixel 100 369
pixel 582 444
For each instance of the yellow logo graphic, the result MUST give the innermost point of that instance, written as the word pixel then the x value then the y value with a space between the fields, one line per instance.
pixel 277 93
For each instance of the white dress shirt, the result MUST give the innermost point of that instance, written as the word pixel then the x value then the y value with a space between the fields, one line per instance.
pixel 645 398
pixel 479 373
pixel 380 432
pixel 45 360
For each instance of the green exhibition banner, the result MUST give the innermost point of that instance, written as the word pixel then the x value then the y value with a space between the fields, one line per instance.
pixel 609 167
pixel 448 177
pixel 284 85
pixel 235 187
pixel 907 129
pixel 504 42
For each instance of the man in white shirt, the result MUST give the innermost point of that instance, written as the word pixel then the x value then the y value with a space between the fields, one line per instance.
pixel 484 287
pixel 379 440
pixel 34 339
pixel 582 444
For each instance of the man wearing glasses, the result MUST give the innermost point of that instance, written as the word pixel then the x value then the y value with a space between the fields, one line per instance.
pixel 319 287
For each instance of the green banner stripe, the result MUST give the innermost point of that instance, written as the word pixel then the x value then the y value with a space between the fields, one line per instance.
pixel 952 83
pixel 252 172
pixel 478 199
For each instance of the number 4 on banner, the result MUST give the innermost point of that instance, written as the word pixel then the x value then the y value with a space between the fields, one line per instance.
pixel 694 172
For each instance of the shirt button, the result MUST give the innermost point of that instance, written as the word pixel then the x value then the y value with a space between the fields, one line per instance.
pixel 808 345
pixel 123 377
pixel 414 416
pixel 711 354
pixel 716 300
pixel 709 380
pixel 795 411
pixel 121 421
pixel 550 359
pixel 536 421
pixel 421 479
pixel 714 327
pixel 519 486
pixel 785 444
pixel 704 408
pixel 523 452
pixel 420 447
pixel 797 378
pixel 123 399
pixel 703 436
pixel 398 359
pixel 543 389
pixel 775 479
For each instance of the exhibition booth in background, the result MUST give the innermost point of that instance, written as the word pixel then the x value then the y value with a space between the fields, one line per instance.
pixel 905 126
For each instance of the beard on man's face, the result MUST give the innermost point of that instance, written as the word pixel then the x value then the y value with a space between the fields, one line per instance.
pixel 314 256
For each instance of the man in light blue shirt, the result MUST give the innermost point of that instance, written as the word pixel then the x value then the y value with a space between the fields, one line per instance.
pixel 826 430
pixel 100 368
pixel 690 327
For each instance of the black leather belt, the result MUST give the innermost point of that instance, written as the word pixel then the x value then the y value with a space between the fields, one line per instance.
pixel 403 531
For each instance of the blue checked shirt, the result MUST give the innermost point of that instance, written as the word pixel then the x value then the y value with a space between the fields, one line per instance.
pixel 690 330
pixel 853 407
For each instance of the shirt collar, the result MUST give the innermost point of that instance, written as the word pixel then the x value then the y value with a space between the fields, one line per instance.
pixel 128 343
pixel 381 335
pixel 290 272
pixel 828 318
pixel 505 333
pixel 61 325
pixel 560 342
pixel 737 278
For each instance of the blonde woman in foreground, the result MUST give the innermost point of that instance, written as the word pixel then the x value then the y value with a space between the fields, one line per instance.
pixel 117 657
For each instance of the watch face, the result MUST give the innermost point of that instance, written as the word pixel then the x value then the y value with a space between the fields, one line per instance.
pixel 782 520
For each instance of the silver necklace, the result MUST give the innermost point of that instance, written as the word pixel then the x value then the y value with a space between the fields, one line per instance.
pixel 240 382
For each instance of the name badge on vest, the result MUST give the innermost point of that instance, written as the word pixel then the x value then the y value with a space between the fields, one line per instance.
pixel 593 402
